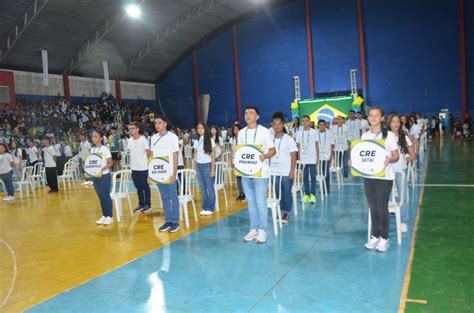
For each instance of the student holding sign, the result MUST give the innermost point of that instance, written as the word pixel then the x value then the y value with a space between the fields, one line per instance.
pixel 165 149
pixel 251 157
pixel 139 151
pixel 308 148
pixel 407 154
pixel 283 163
pixel 204 163
pixel 326 150
pixel 97 165
pixel 378 188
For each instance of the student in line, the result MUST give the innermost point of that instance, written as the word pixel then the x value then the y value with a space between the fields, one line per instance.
pixel 6 172
pixel 33 154
pixel 50 165
pixel 139 151
pixel 283 163
pixel 407 154
pixel 297 128
pixel 326 151
pixel 102 184
pixel 377 189
pixel 219 143
pixel 353 126
pixel 234 136
pixel 256 187
pixel 342 143
pixel 308 151
pixel 84 149
pixel 166 143
pixel 363 125
pixel 17 155
pixel 115 148
pixel 204 163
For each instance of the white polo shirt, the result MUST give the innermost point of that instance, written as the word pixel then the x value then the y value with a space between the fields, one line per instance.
pixel 295 131
pixel 6 160
pixel 32 154
pixel 354 129
pixel 105 152
pixel 363 125
pixel 201 156
pixel 164 145
pixel 49 154
pixel 260 136
pixel 307 140
pixel 401 164
pixel 218 147
pixel 391 144
pixel 341 137
pixel 84 149
pixel 138 156
pixel 325 139
pixel 280 163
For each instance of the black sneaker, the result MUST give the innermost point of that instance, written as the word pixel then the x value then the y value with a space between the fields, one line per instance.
pixel 285 219
pixel 242 197
pixel 165 227
pixel 174 228
pixel 239 198
pixel 146 209
pixel 138 209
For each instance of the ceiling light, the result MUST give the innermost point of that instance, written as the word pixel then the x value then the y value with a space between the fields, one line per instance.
pixel 133 10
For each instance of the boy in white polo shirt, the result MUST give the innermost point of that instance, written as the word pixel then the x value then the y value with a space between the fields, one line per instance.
pixel 255 188
pixel 341 138
pixel 326 150
pixel 309 156
pixel 283 163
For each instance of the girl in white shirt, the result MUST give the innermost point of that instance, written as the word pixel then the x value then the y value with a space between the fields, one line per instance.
pixel 296 129
pixel 204 162
pixel 6 172
pixel 216 137
pixel 17 160
pixel 103 182
pixel 234 140
pixel 407 154
pixel 377 189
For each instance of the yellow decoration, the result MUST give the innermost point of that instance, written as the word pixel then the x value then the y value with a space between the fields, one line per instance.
pixel 294 105
pixel 358 101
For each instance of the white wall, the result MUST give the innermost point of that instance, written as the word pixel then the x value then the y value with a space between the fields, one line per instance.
pixel 131 90
pixel 28 83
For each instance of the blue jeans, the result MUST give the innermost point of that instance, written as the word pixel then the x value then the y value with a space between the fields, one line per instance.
pixel 239 185
pixel 309 171
pixel 286 200
pixel 256 193
pixel 345 163
pixel 206 183
pixel 7 179
pixel 328 177
pixel 404 208
pixel 102 188
pixel 140 180
pixel 169 197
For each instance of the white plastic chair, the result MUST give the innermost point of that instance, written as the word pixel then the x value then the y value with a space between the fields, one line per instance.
pixel 273 201
pixel 186 177
pixel 125 161
pixel 336 167
pixel 67 175
pixel 321 178
pixel 155 187
pixel 37 176
pixel 120 190
pixel 26 182
pixel 188 152
pixel 298 187
pixel 411 173
pixel 219 183
pixel 227 168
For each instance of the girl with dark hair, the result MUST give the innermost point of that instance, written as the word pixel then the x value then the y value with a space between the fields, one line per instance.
pixel 297 128
pixel 17 159
pixel 216 137
pixel 234 138
pixel 377 189
pixel 204 162
pixel 405 147
pixel 6 172
pixel 102 183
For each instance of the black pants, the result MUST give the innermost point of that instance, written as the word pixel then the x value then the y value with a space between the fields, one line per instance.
pixel 52 178
pixel 140 180
pixel 377 192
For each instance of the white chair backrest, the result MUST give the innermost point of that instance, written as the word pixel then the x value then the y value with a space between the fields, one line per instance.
pixel 227 147
pixel 226 157
pixel 27 173
pixel 186 177
pixel 188 152
pixel 321 169
pixel 298 181
pixel 401 193
pixel 272 187
pixel 23 162
pixel 338 159
pixel 121 185
pixel 38 167
pixel 219 173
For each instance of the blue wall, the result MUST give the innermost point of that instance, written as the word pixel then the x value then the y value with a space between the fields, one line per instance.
pixel 412 56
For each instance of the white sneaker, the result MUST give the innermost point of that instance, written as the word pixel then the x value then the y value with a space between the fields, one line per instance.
pixel 262 236
pixel 108 220
pixel 90 183
pixel 9 198
pixel 404 228
pixel 202 212
pixel 382 245
pixel 207 213
pixel 101 220
pixel 85 183
pixel 372 243
pixel 251 235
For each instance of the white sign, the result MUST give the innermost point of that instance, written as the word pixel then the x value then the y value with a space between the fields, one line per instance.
pixel 160 170
pixel 368 157
pixel 93 164
pixel 247 160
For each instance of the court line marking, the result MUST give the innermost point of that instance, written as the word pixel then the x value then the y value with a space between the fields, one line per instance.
pixel 426 185
pixel 406 281
pixel 417 301
pixel 9 293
